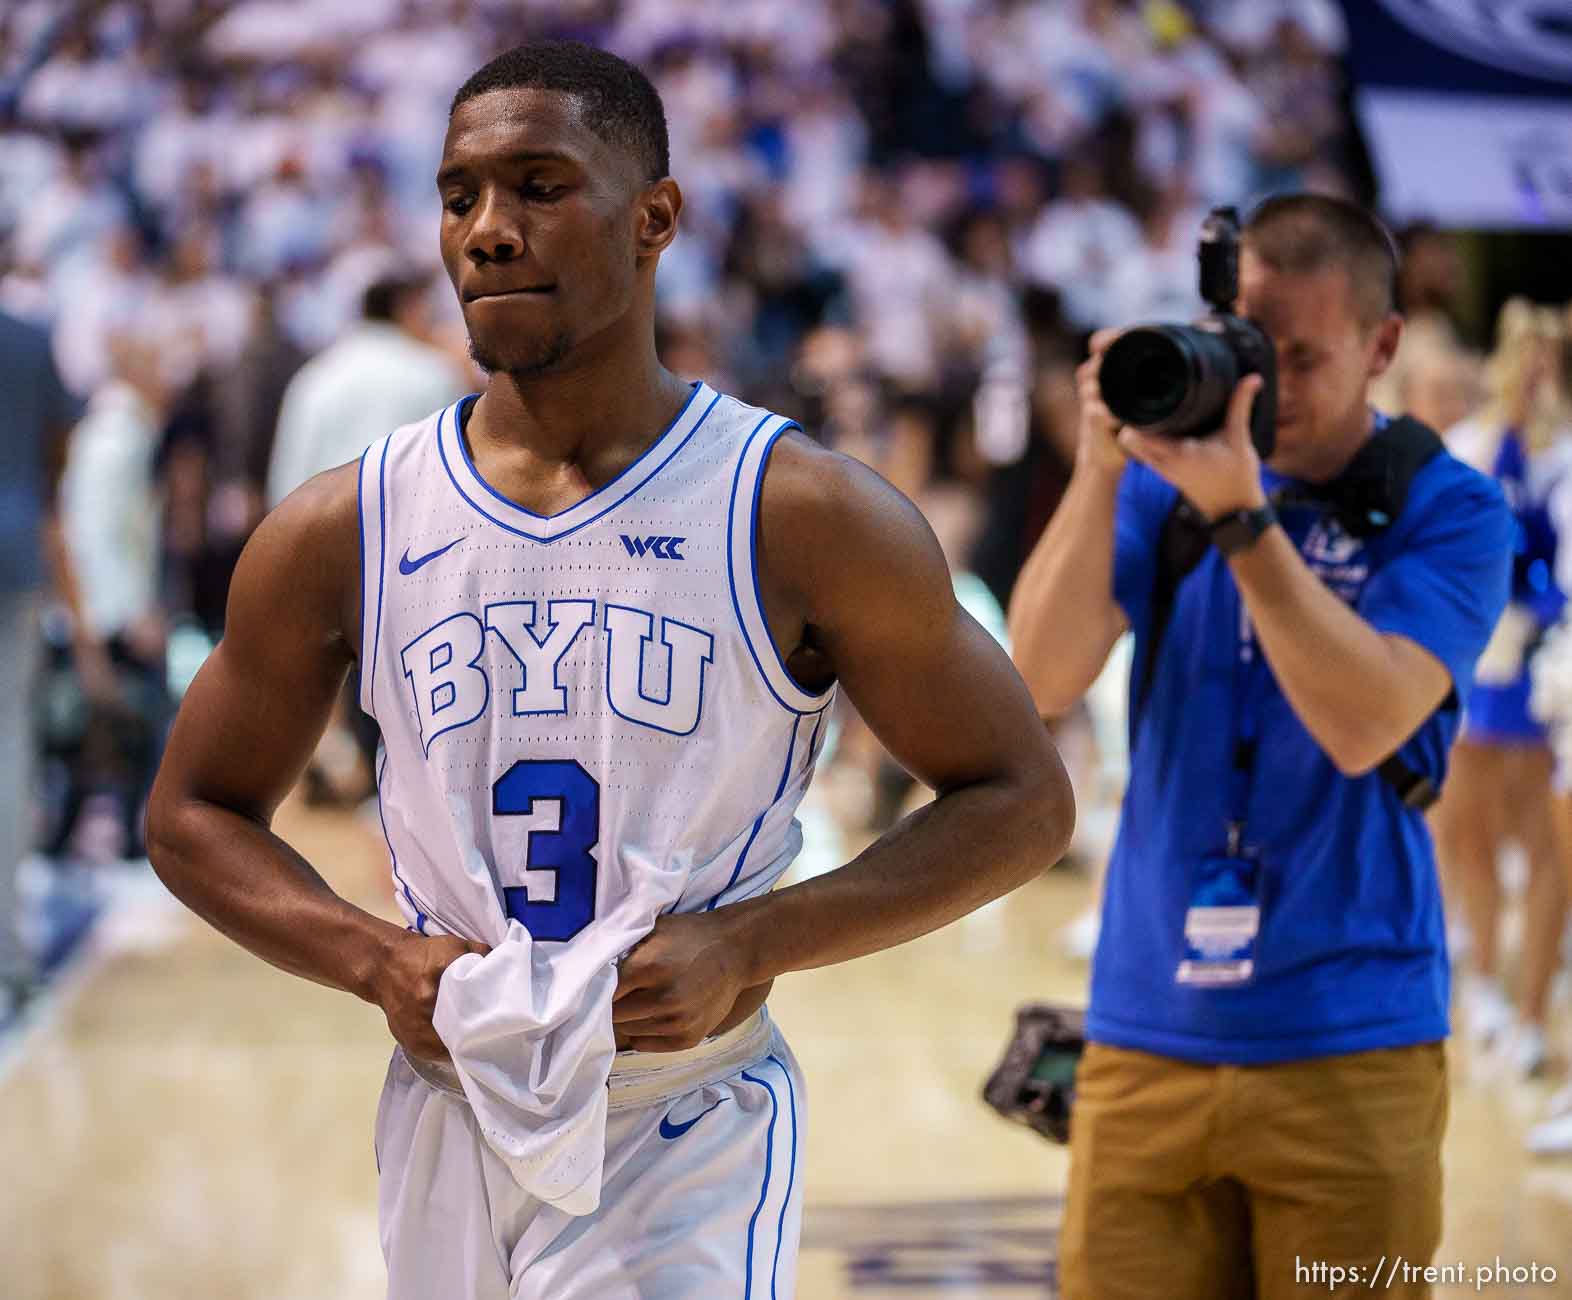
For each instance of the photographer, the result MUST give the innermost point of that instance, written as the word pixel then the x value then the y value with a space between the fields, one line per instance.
pixel 1264 1084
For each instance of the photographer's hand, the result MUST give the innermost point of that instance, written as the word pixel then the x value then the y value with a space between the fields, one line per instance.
pixel 1097 447
pixel 1220 473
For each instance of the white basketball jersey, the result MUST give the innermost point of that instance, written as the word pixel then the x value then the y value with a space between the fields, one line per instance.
pixel 583 714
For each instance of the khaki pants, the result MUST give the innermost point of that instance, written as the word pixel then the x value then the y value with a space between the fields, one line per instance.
pixel 1197 1182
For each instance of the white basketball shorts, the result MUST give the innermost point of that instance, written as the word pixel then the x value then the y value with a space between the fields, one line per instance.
pixel 702 1196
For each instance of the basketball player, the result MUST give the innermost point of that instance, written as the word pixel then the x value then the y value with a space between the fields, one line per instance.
pixel 600 614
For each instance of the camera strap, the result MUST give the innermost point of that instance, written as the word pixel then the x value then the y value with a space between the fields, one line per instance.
pixel 1247 678
pixel 1365 499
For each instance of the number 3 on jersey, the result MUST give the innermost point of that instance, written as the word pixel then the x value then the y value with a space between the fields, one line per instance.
pixel 562 802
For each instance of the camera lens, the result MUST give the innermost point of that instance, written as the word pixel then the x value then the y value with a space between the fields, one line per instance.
pixel 1172 380
pixel 1146 372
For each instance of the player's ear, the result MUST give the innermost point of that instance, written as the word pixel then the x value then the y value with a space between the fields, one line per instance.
pixel 656 217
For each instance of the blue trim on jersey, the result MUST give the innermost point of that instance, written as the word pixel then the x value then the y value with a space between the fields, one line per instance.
pixel 420 913
pixel 754 833
pixel 360 524
pixel 753 553
pixel 731 581
pixel 604 487
pixel 821 698
pixel 791 1173
pixel 382 563
pixel 764 1191
pixel 567 532
pixel 813 740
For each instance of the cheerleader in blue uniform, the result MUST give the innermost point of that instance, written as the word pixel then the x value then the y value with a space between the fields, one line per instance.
pixel 1499 786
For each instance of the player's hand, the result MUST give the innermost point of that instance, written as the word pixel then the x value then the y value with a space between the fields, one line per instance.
pixel 1098 440
pixel 677 984
pixel 1220 473
pixel 406 989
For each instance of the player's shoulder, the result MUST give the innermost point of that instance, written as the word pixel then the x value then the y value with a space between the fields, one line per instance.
pixel 320 509
pixel 306 551
pixel 824 493
pixel 827 521
pixel 799 480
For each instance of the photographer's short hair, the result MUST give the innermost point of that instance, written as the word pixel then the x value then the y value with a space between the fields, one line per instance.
pixel 1299 234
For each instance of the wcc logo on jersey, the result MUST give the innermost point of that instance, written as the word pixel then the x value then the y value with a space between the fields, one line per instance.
pixel 445 665
pixel 661 548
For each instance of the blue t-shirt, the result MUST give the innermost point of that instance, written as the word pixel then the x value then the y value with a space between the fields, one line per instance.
pixel 1351 953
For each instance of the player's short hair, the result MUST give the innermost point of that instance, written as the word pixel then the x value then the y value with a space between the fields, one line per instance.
pixel 620 105
pixel 1300 234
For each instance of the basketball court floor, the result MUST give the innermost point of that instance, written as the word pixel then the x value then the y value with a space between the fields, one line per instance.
pixel 182 1122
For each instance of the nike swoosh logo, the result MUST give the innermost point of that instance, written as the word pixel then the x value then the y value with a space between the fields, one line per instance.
pixel 407 566
pixel 668 1130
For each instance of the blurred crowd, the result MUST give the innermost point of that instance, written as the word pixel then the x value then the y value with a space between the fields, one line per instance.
pixel 901 216
pixel 902 219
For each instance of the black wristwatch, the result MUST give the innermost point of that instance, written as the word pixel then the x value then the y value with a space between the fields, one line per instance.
pixel 1240 528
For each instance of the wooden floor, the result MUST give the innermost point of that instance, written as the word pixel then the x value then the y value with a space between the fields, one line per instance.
pixel 188 1124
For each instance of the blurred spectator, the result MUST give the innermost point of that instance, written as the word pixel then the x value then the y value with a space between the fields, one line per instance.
pixel 1299 89
pixel 285 221
pixel 109 502
pixel 826 144
pixel 245 410
pixel 900 279
pixel 86 84
pixel 1080 242
pixel 218 441
pixel 1251 24
pixel 303 147
pixel 1501 763
pixel 38 415
pixel 100 294
pixel 786 287
pixel 1026 426
pixel 985 327
pixel 381 375
pixel 1430 276
pixel 1431 369
pixel 1552 703
pixel 1159 281
pixel 76 209
pixel 110 510
pixel 197 317
pixel 1434 379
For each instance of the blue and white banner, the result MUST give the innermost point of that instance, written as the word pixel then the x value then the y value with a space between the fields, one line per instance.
pixel 1467 107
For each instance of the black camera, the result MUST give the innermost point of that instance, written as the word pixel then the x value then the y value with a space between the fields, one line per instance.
pixel 1175 380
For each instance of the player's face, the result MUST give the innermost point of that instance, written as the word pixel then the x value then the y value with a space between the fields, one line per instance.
pixel 1326 356
pixel 538 228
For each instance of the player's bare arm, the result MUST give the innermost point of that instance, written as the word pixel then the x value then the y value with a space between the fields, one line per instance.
pixel 245 731
pixel 855 584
